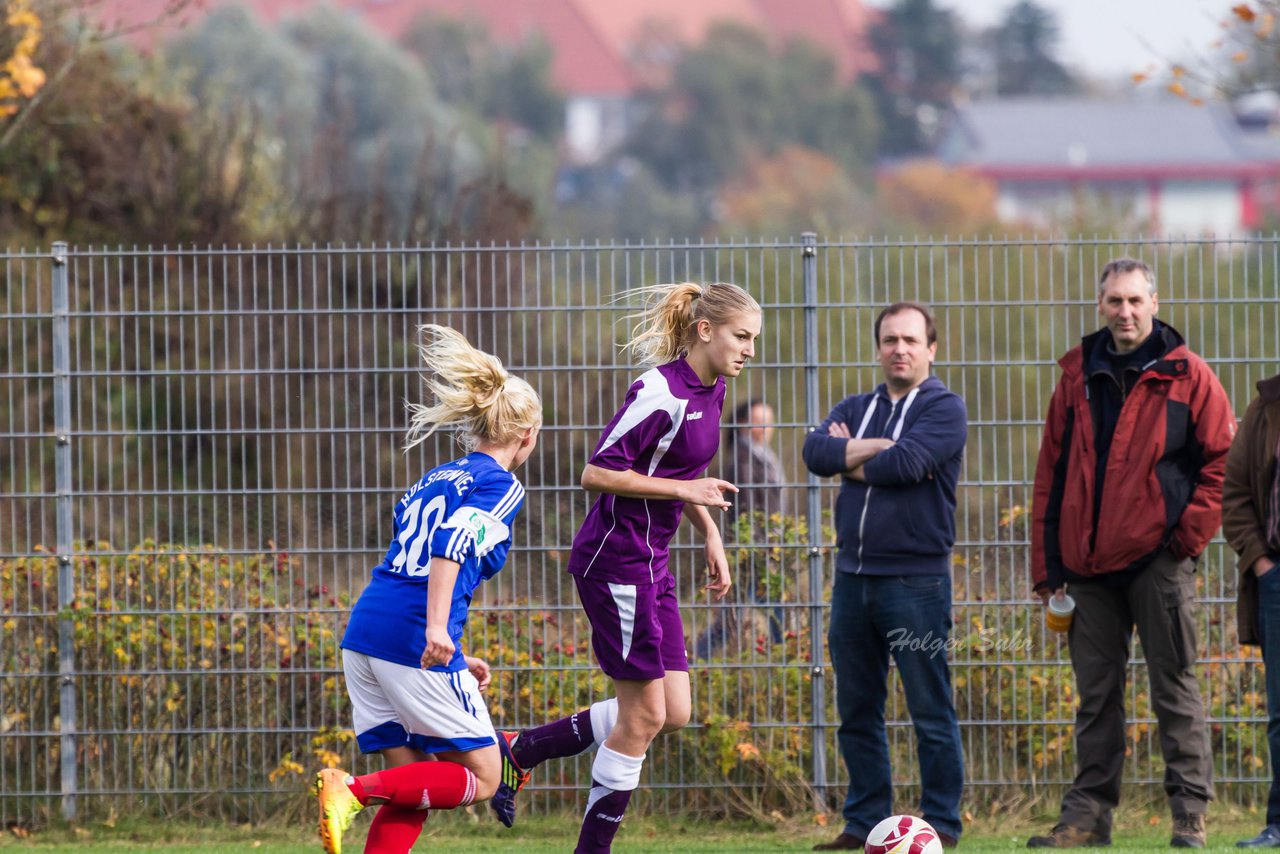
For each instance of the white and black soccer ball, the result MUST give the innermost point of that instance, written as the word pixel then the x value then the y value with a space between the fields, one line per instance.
pixel 903 834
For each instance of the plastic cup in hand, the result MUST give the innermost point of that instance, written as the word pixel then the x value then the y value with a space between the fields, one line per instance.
pixel 1059 613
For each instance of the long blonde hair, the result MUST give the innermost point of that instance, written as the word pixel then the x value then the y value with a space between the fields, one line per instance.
pixel 473 391
pixel 668 324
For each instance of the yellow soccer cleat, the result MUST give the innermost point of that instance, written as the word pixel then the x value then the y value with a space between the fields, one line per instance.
pixel 338 807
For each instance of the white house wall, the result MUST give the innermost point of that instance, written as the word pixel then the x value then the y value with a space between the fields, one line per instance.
pixel 593 126
pixel 1200 207
pixel 1184 207
pixel 1044 204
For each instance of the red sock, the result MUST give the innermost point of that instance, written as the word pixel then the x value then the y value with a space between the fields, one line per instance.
pixel 394 830
pixel 419 786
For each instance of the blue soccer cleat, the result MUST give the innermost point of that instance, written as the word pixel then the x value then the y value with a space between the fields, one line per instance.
pixel 513 780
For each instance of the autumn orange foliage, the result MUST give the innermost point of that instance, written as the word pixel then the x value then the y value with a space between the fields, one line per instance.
pixel 20 77
pixel 939 197
pixel 797 188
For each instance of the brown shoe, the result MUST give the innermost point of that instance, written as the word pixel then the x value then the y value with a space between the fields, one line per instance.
pixel 947 840
pixel 843 842
pixel 1188 831
pixel 1066 836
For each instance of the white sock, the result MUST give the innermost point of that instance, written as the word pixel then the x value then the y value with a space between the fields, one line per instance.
pixel 604 717
pixel 613 771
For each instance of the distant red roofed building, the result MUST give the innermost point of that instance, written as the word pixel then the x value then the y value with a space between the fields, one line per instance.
pixel 604 50
pixel 1164 166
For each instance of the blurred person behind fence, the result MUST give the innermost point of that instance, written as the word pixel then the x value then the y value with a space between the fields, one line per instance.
pixel 753 465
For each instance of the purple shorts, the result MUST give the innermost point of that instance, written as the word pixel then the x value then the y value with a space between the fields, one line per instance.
pixel 636 631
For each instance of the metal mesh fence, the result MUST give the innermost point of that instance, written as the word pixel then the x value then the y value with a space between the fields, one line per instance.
pixel 201 450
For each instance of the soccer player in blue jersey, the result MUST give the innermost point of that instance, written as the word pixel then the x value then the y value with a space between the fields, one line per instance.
pixel 414 694
pixel 648 470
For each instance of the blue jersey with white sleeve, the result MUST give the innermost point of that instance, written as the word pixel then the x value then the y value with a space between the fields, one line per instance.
pixel 462 511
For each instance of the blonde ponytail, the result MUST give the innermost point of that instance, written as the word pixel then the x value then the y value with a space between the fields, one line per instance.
pixel 472 390
pixel 667 325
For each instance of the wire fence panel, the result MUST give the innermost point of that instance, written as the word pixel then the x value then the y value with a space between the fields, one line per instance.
pixel 28 493
pixel 179 556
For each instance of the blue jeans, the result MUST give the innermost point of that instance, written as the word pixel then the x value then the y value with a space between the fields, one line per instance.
pixel 1269 629
pixel 908 617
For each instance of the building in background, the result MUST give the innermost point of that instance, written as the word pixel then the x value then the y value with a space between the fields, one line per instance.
pixel 605 51
pixel 1161 166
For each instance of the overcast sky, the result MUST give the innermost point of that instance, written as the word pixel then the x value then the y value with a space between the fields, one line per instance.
pixel 1110 38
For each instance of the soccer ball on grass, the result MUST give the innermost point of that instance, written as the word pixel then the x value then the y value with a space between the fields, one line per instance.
pixel 903 834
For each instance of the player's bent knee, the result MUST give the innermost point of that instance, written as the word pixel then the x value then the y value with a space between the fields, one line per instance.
pixel 487 782
pixel 485 789
pixel 648 727
pixel 486 765
pixel 676 719
pixel 656 722
pixel 644 718
pixel 640 726
pixel 677 713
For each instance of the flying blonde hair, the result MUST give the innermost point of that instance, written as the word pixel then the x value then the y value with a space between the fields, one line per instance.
pixel 668 324
pixel 472 391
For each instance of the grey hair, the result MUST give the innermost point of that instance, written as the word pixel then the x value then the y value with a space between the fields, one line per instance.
pixel 1120 266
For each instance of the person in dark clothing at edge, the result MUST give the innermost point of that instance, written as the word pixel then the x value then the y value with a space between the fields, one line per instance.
pixel 1128 492
pixel 1251 525
pixel 898 450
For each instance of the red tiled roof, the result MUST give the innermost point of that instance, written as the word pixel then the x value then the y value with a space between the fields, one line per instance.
pixel 583 64
pixel 620 22
pixel 596 42
pixel 838 26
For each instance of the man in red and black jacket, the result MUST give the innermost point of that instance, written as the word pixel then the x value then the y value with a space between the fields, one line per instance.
pixel 1128 493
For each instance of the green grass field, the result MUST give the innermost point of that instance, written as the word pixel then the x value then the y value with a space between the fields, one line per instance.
pixel 1135 832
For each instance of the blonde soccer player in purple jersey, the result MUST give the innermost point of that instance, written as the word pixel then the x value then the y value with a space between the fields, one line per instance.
pixel 648 471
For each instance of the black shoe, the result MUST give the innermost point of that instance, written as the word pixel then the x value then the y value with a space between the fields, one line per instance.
pixel 1268 838
pixel 843 842
pixel 1188 831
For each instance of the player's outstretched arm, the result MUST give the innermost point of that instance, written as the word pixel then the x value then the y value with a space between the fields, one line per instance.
pixel 706 491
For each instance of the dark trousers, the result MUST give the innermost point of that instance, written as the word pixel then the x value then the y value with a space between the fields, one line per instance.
pixel 908 617
pixel 1159 602
pixel 1269 628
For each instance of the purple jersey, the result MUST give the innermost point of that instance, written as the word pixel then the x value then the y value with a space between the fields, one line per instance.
pixel 669 426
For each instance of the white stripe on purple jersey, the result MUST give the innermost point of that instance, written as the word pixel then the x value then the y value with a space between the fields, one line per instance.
pixel 668 426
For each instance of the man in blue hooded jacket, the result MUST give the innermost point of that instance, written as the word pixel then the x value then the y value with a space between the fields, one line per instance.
pixel 898 450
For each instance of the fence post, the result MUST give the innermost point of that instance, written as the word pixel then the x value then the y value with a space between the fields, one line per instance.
pixel 66 571
pixel 813 416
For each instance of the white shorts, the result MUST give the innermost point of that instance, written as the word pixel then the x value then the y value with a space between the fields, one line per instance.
pixel 398 706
